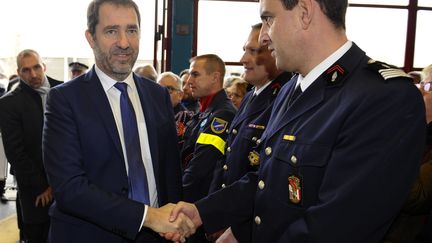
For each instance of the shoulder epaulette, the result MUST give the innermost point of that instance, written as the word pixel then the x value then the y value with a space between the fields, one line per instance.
pixel 387 71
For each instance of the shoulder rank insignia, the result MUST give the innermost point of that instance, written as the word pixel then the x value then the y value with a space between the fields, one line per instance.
pixel 387 71
pixel 294 188
pixel 218 125
pixel 253 158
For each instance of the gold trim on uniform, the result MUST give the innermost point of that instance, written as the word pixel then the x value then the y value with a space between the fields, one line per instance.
pixel 261 127
pixel 289 137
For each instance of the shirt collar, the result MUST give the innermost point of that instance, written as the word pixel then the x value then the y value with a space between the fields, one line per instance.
pixel 258 91
pixel 307 80
pixel 107 82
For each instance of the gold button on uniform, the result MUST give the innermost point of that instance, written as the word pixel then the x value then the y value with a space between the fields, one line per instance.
pixel 229 149
pixel 234 131
pixel 225 167
pixel 223 185
pixel 257 220
pixel 254 139
pixel 258 141
pixel 294 159
pixel 261 184
pixel 268 151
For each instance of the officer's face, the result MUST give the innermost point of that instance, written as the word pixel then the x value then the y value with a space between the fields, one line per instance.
pixel 283 32
pixel 31 70
pixel 199 80
pixel 116 41
pixel 257 61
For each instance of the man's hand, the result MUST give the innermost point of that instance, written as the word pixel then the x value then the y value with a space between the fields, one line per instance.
pixel 44 198
pixel 189 210
pixel 158 219
pixel 183 209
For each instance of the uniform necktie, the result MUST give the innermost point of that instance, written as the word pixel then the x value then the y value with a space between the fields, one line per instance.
pixel 294 95
pixel 138 186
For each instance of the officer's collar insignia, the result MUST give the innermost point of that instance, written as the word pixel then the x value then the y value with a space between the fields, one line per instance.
pixel 289 137
pixel 253 158
pixel 294 188
pixel 275 87
pixel 335 74
pixel 218 125
pixel 385 70
pixel 261 127
pixel 203 123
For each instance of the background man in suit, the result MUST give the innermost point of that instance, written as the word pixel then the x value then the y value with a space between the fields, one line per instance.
pixel 109 141
pixel 341 150
pixel 21 123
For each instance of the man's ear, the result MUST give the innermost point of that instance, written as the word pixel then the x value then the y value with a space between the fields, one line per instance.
pixel 306 12
pixel 216 76
pixel 89 38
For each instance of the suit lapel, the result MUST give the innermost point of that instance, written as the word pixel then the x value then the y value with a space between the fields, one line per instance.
pixel 96 94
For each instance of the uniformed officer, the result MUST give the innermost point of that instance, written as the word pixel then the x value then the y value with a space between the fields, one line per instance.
pixel 241 155
pixel 205 136
pixel 77 68
pixel 343 144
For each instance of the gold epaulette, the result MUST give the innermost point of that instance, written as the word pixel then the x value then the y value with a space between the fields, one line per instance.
pixel 387 71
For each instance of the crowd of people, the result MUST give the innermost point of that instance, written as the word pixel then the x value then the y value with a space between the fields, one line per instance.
pixel 314 142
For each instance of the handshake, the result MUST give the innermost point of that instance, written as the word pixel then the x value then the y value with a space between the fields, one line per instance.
pixel 174 222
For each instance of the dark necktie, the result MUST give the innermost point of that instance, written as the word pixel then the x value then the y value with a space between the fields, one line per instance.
pixel 294 95
pixel 138 186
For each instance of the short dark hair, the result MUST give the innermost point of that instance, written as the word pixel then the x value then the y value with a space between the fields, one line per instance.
pixel 213 63
pixel 26 53
pixel 335 10
pixel 93 12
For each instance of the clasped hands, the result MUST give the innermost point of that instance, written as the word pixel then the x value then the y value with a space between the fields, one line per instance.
pixel 174 222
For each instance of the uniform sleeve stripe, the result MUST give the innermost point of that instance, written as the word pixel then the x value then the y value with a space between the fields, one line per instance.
pixel 210 139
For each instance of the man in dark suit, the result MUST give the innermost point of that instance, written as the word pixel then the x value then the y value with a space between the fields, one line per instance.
pixel 344 141
pixel 21 123
pixel 109 141
pixel 250 121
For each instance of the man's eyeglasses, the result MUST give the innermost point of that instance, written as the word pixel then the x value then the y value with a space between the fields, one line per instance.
pixel 171 89
pixel 425 85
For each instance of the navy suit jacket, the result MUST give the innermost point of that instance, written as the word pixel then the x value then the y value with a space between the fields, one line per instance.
pixel 21 122
pixel 337 165
pixel 85 164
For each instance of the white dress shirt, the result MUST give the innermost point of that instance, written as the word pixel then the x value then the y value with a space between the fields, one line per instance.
pixel 113 95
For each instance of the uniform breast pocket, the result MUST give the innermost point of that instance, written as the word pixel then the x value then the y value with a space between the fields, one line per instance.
pixel 304 166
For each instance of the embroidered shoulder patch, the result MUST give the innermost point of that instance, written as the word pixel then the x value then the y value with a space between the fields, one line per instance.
pixel 218 125
pixel 385 70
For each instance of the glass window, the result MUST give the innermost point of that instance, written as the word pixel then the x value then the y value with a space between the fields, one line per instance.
pixel 59 34
pixel 425 3
pixel 223 27
pixel 382 35
pixel 423 46
pixel 381 2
